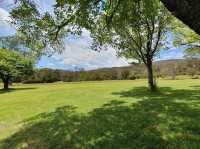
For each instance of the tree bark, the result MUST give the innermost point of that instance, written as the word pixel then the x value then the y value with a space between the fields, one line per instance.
pixel 6 83
pixel 151 82
pixel 188 11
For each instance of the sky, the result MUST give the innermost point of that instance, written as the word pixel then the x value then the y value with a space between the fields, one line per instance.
pixel 77 52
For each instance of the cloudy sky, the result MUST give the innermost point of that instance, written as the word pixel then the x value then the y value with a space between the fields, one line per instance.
pixel 77 53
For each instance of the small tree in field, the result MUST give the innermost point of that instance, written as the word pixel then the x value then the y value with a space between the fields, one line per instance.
pixel 13 64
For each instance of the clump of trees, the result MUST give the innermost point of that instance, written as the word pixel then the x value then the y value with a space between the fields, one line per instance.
pixel 12 65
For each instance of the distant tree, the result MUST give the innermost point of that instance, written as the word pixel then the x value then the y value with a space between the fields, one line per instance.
pixel 113 74
pixel 125 74
pixel 193 67
pixel 47 75
pixel 13 64
pixel 173 71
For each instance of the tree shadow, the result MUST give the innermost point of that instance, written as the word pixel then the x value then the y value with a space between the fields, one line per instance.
pixel 167 93
pixel 196 86
pixel 2 91
pixel 159 121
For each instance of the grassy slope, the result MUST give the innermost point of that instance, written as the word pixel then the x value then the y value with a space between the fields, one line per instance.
pixel 27 101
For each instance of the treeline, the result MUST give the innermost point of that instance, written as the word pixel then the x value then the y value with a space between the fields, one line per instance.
pixel 49 75
pixel 173 68
pixel 162 69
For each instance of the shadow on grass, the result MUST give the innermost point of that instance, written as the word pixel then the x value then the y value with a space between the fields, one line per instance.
pixel 168 119
pixel 188 95
pixel 2 91
pixel 196 86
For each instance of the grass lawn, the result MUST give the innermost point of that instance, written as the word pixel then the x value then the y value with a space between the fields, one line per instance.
pixel 101 115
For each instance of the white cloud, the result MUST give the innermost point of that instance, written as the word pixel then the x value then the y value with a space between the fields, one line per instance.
pixel 78 53
pixel 4 16
pixel 5 27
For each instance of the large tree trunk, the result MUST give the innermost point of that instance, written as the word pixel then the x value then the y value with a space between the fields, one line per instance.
pixel 188 11
pixel 6 83
pixel 151 82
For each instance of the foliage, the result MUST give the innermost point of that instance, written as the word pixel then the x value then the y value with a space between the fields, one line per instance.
pixel 27 21
pixel 135 28
pixel 13 64
pixel 184 36
pixel 45 31
pixel 70 16
pixel 125 74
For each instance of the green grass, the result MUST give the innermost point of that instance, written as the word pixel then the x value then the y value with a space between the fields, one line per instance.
pixel 107 114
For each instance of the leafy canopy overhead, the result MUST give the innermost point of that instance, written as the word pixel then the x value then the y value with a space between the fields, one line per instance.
pixel 46 30
pixel 137 29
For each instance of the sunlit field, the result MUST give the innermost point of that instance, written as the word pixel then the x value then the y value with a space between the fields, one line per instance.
pixel 105 114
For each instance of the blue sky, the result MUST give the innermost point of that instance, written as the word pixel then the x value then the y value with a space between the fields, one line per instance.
pixel 77 53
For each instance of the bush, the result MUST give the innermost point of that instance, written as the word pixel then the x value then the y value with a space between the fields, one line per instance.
pixel 125 74
pixel 195 77
pixel 132 77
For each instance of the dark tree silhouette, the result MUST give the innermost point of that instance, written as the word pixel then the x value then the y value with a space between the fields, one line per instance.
pixel 188 11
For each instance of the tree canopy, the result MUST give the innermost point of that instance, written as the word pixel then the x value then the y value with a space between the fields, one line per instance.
pixel 138 32
pixel 135 28
pixel 13 64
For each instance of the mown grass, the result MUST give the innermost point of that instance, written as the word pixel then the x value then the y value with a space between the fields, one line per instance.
pixel 107 114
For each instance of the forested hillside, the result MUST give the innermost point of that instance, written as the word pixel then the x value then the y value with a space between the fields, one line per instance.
pixel 164 69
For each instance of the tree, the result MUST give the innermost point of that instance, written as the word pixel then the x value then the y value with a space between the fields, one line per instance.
pixel 136 29
pixel 13 64
pixel 125 74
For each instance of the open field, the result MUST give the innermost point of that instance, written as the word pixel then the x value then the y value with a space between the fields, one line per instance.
pixel 107 114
